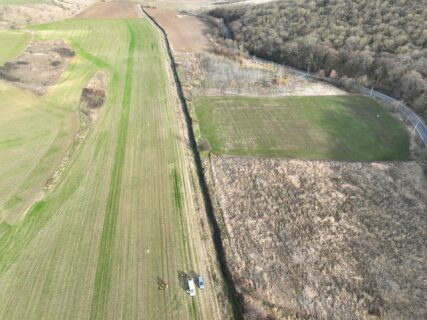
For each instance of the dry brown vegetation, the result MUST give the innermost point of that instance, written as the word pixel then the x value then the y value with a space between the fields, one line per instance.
pixel 212 74
pixel 39 66
pixel 325 240
pixel 94 98
pixel 94 95
pixel 12 16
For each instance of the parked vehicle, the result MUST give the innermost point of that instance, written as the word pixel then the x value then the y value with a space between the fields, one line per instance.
pixel 191 287
pixel 201 282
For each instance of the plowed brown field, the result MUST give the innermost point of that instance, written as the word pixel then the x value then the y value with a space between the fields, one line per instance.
pixel 185 33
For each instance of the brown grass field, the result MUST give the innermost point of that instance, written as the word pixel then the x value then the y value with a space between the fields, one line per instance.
pixel 19 13
pixel 185 33
pixel 325 240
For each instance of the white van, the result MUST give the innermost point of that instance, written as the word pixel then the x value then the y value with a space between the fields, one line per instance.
pixel 191 287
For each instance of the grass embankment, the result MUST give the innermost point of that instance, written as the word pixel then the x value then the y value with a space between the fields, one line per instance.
pixel 122 216
pixel 353 128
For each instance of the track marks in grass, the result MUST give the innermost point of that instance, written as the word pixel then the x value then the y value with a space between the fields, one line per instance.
pixel 88 56
pixel 177 189
pixel 106 247
pixel 353 128
pixel 178 198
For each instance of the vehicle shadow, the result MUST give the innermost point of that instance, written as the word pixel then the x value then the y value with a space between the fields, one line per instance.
pixel 183 280
pixel 193 274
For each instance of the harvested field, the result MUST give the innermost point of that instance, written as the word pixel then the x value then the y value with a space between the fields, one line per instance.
pixel 186 33
pixel 111 10
pixel 325 240
pixel 354 128
pixel 39 66
pixel 212 74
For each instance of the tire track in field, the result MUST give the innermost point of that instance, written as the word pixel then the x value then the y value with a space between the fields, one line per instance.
pixel 106 247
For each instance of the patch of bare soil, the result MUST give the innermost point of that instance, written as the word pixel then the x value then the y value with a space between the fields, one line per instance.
pixel 186 33
pixel 12 16
pixel 39 66
pixel 325 240
pixel 111 10
pixel 212 74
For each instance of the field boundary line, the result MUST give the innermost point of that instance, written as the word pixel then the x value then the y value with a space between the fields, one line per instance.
pixel 234 297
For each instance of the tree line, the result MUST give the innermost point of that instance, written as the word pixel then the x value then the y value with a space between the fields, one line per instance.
pixel 380 43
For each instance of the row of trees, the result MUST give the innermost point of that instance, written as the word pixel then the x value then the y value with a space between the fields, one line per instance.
pixel 380 43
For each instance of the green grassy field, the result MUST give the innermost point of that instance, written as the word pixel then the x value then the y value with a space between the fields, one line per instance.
pixel 328 127
pixel 12 43
pixel 123 214
pixel 35 130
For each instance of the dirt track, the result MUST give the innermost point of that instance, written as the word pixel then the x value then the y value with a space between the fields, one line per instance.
pixel 185 33
pixel 111 10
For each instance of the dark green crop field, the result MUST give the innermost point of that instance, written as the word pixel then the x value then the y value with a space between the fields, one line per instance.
pixel 352 128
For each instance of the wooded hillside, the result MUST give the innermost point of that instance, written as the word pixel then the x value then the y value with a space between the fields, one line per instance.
pixel 381 43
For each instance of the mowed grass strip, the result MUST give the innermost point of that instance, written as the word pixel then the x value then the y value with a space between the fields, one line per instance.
pixel 352 128
pixel 106 247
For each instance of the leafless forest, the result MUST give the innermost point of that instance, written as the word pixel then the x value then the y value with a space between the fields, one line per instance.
pixel 379 43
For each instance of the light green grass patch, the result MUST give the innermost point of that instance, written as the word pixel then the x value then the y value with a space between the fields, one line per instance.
pixel 12 43
pixel 315 127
